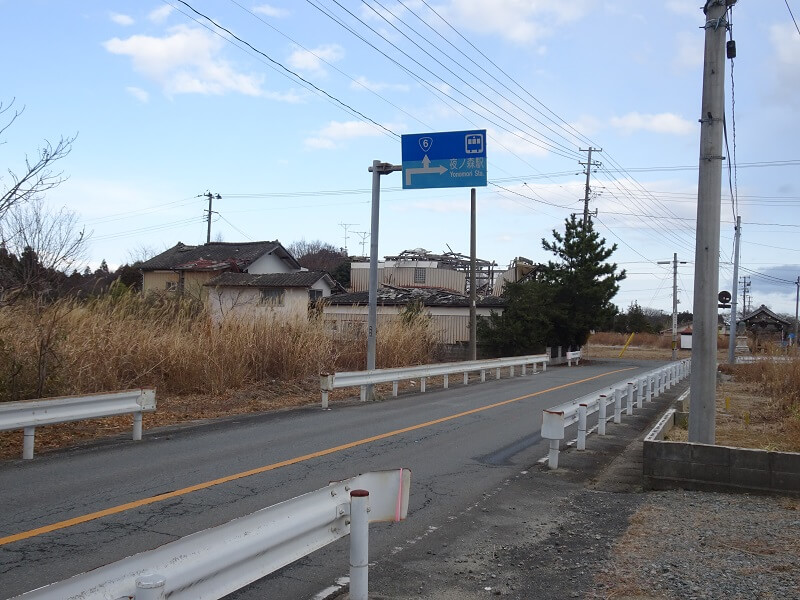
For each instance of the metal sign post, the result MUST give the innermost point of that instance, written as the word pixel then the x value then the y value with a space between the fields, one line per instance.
pixel 377 169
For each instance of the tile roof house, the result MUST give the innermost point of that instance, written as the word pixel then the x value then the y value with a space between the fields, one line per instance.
pixel 248 295
pixel 447 310
pixel 185 269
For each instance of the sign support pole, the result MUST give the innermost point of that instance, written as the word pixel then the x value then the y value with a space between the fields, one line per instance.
pixel 473 332
pixel 377 169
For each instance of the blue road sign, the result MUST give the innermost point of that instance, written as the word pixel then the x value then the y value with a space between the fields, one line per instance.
pixel 439 160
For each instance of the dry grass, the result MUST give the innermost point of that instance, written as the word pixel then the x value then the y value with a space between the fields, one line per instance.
pixel 200 370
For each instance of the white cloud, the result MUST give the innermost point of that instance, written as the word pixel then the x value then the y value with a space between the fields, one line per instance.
pixel 786 64
pixel 587 125
pixel 362 83
pixel 516 142
pixel 161 14
pixel 335 132
pixel 520 21
pixel 138 93
pixel 690 50
pixel 271 11
pixel 311 60
pixel 691 8
pixel 120 19
pixel 660 123
pixel 185 61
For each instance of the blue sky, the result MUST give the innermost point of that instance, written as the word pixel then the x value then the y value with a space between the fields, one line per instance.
pixel 167 106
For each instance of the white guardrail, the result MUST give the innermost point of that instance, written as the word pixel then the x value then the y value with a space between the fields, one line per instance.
pixel 636 392
pixel 576 356
pixel 29 414
pixel 331 381
pixel 213 563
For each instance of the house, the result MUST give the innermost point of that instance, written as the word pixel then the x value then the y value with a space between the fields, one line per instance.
pixel 765 326
pixel 185 269
pixel 248 295
pixel 447 310
pixel 420 268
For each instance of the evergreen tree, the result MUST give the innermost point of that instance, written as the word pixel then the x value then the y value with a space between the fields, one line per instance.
pixel 584 282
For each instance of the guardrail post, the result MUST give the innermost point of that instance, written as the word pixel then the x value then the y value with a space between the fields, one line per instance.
pixel 483 375
pixel 497 373
pixel 648 388
pixel 150 587
pixel 395 387
pixel 137 426
pixel 617 406
pixel 640 392
pixel 28 438
pixel 466 378
pixel 630 398
pixel 533 368
pixel 511 371
pixel 326 385
pixel 363 395
pixel 581 427
pixel 446 381
pixel 359 545
pixel 601 419
pixel 656 384
pixel 523 370
pixel 422 382
pixel 552 455
pixel 544 366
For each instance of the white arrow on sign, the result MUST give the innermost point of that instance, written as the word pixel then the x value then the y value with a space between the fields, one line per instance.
pixel 425 168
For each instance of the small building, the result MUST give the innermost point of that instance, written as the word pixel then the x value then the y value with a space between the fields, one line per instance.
pixel 251 296
pixel 185 269
pixel 763 325
pixel 447 311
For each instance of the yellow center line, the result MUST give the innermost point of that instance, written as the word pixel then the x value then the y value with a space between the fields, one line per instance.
pixel 284 463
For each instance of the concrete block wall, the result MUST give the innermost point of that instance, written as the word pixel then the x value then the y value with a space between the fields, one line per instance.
pixel 684 465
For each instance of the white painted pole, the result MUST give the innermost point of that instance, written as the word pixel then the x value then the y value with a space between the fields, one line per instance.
pixel 28 439
pixel 601 419
pixel 628 403
pixel 359 545
pixel 137 426
pixel 640 393
pixel 581 427
pixel 466 378
pixel 446 381
pixel 552 456
pixel 150 587
pixel 395 388
pixel 630 394
pixel 617 407
pixel 483 375
pixel 422 383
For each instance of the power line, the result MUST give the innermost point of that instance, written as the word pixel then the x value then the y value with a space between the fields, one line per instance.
pixel 792 15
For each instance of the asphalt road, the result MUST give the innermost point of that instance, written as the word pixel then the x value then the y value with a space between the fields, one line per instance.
pixel 454 464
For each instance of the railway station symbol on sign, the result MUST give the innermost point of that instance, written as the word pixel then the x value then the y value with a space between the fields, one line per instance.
pixel 439 160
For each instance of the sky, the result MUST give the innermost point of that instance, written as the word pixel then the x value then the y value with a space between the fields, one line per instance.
pixel 284 122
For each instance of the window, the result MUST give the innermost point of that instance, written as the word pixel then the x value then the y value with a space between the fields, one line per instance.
pixel 314 295
pixel 419 275
pixel 172 286
pixel 273 297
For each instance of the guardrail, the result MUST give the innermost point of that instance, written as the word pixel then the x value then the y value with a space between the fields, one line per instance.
pixel 576 356
pixel 331 381
pixel 213 563
pixel 636 392
pixel 29 414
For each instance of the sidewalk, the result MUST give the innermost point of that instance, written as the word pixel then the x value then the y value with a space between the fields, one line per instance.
pixel 565 534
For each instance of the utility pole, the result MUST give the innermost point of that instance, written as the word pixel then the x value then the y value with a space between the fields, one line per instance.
pixel 363 235
pixel 674 263
pixel 796 302
pixel 734 293
pixel 210 197
pixel 588 164
pixel 745 287
pixel 702 408
pixel 345 226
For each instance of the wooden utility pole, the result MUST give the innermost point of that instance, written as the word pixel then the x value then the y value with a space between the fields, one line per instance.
pixel 210 197
pixel 702 408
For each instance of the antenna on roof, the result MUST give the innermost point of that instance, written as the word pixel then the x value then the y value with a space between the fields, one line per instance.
pixel 345 226
pixel 363 235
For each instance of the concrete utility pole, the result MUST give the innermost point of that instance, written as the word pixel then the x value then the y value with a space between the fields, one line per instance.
pixel 734 293
pixel 745 288
pixel 702 409
pixel 377 169
pixel 210 197
pixel 588 164
pixel 473 294
pixel 796 302
pixel 674 263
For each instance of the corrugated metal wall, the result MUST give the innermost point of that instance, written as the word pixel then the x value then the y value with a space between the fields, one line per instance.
pixel 449 329
pixel 446 279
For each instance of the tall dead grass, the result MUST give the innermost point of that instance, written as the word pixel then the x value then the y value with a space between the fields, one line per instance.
pixel 132 341
pixel 645 340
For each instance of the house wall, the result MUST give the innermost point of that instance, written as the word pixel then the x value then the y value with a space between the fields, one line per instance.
pixel 156 281
pixel 245 303
pixel 403 276
pixel 450 323
pixel 269 263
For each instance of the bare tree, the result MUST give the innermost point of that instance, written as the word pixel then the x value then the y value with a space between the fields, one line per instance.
pixel 38 176
pixel 317 255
